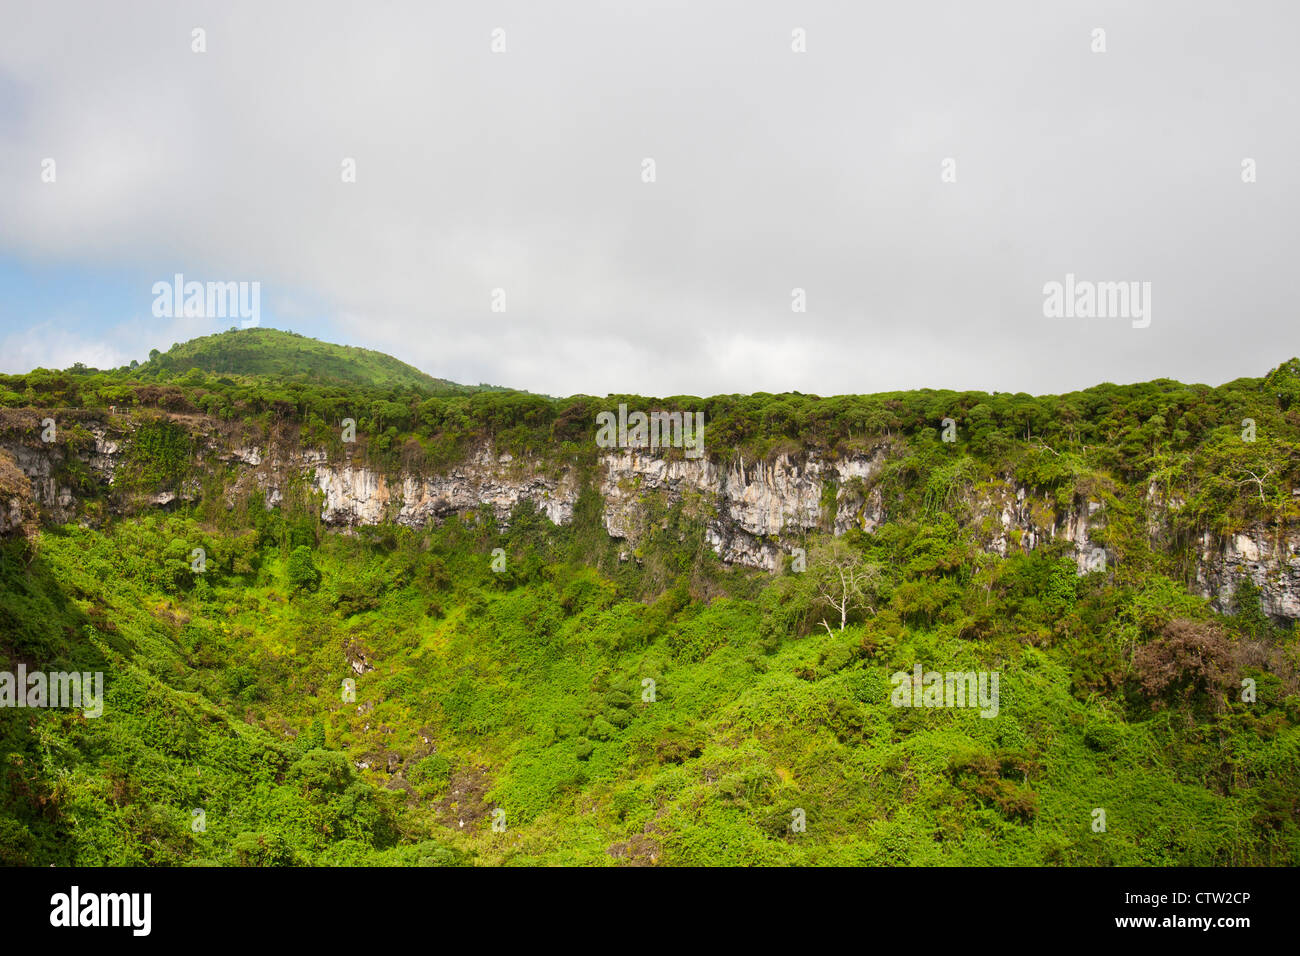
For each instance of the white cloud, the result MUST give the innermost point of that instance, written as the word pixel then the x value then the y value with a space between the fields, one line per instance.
pixel 49 346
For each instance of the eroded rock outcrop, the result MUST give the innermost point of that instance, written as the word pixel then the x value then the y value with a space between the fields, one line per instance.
pixel 753 512
pixel 356 494
pixel 18 510
pixel 1268 559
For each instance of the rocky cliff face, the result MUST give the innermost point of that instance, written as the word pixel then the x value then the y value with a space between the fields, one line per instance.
pixel 355 494
pixel 1013 518
pixel 41 464
pixel 18 513
pixel 1270 560
pixel 753 512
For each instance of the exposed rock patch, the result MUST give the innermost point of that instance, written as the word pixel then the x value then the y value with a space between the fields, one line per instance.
pixel 753 512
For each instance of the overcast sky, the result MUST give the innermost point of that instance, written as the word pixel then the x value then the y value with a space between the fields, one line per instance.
pixel 775 170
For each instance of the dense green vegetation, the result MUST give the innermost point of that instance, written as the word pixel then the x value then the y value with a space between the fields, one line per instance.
pixel 663 708
pixel 526 691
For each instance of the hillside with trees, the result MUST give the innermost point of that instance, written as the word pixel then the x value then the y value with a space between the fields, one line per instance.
pixel 287 357
pixel 479 692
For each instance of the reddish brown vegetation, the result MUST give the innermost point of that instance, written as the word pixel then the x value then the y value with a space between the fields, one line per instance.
pixel 1187 662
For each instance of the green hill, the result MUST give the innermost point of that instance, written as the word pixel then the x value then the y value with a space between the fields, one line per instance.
pixel 290 357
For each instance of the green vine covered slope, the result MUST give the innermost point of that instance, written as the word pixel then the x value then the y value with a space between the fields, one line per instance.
pixel 475 691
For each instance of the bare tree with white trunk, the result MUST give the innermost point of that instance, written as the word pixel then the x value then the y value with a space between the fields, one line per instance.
pixel 844 580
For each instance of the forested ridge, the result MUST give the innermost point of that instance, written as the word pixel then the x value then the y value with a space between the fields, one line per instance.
pixel 665 709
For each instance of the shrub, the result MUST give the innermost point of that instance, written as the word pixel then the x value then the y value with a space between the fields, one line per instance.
pixel 432 774
pixel 1189 660
pixel 303 574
